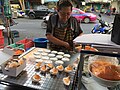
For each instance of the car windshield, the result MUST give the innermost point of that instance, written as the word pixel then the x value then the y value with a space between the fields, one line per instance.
pixel 82 12
pixel 41 7
pixel 77 11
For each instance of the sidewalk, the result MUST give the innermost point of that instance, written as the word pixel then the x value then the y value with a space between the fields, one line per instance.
pixel 111 16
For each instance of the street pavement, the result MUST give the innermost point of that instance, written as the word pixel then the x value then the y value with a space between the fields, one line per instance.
pixel 27 28
pixel 31 28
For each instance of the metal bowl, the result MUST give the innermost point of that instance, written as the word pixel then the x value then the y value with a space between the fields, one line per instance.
pixel 101 81
pixel 104 82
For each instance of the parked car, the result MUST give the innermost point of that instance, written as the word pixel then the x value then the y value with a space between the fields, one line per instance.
pixel 38 12
pixel 82 16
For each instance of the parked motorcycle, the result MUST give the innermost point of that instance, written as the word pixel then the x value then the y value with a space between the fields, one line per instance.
pixel 103 27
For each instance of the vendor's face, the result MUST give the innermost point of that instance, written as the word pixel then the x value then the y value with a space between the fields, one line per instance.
pixel 64 14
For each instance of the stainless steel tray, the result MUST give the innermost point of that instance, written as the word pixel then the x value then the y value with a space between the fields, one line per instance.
pixel 47 82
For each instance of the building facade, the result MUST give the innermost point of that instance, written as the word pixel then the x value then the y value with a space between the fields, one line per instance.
pixel 116 4
pixel 106 3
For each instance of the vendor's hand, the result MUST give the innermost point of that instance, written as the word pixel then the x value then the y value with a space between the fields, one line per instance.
pixel 67 45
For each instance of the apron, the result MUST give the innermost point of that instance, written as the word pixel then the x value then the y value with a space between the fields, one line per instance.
pixel 64 35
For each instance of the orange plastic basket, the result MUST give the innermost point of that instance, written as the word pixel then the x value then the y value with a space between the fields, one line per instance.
pixel 28 43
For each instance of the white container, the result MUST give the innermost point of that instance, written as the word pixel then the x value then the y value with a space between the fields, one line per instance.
pixel 13 71
pixel 6 55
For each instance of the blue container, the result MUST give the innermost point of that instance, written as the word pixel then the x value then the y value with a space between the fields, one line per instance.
pixel 40 42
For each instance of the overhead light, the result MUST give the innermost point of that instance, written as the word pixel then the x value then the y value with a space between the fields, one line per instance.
pixel 42 1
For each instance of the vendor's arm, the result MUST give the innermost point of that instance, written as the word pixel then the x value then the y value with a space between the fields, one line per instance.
pixel 57 41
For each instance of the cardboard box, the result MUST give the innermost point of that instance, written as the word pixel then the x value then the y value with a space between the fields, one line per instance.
pixel 6 55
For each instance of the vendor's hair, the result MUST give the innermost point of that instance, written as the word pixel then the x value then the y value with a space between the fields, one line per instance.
pixel 64 3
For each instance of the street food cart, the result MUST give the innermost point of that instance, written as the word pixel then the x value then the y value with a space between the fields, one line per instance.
pixel 55 82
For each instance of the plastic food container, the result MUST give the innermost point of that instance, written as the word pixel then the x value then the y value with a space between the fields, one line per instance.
pixel 13 71
pixel 6 55
pixel 40 42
